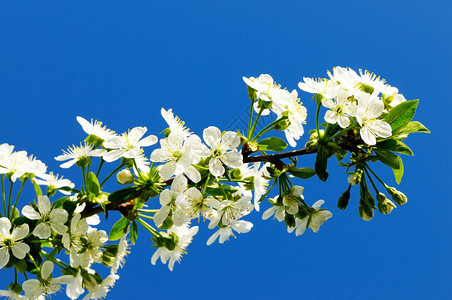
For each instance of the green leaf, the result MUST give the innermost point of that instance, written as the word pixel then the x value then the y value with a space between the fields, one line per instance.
pixel 321 163
pixel 396 146
pixel 412 127
pixel 388 158
pixel 92 184
pixel 118 229
pixel 398 173
pixel 303 173
pixel 216 191
pixel 133 232
pixel 272 144
pixel 340 154
pixel 402 114
pixel 38 190
pixel 124 194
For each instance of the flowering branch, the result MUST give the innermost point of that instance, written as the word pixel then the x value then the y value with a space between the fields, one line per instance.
pixel 215 178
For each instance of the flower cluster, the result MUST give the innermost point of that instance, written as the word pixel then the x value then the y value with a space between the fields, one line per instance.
pixel 216 177
pixel 349 96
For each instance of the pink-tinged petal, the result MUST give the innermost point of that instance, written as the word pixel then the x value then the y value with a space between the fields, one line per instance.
pixel 5 226
pixel 215 167
pixel 212 136
pixel 4 257
pixel 20 250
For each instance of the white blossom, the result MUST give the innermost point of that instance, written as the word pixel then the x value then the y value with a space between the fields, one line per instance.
pixel 99 291
pixel 317 219
pixel 53 182
pixel 119 260
pixel 223 149
pixel 170 199
pixel 77 153
pixel 224 233
pixel 128 145
pixel 47 285
pixel 178 151
pixel 96 128
pixel 368 110
pixel 12 242
pixel 184 237
pixel 48 219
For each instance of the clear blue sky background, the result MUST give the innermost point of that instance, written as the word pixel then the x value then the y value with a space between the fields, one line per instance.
pixel 120 62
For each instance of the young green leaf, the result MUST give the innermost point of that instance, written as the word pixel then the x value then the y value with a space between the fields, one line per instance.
pixel 38 190
pixel 124 194
pixel 402 114
pixel 118 229
pixel 412 127
pixel 388 158
pixel 396 146
pixel 272 144
pixel 133 232
pixel 303 173
pixel 321 163
pixel 398 173
pixel 92 184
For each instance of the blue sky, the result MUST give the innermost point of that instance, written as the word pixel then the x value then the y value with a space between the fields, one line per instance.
pixel 121 62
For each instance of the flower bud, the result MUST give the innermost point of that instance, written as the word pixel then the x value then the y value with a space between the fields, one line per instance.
pixel 125 177
pixel 94 140
pixel 365 212
pixel 355 177
pixel 397 196
pixel 236 173
pixel 290 220
pixel 343 199
pixel 385 205
pixel 264 104
pixel 282 124
pixel 312 145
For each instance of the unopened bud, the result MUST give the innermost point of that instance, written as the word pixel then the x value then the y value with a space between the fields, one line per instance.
pixel 125 177
pixel 282 124
pixel 397 196
pixel 94 140
pixel 312 145
pixel 264 104
pixel 355 177
pixel 343 199
pixel 385 206
pixel 365 212
pixel 236 174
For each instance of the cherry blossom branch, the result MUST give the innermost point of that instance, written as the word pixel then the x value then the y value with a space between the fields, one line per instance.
pixel 274 158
